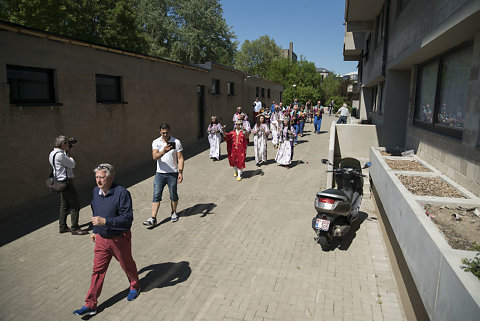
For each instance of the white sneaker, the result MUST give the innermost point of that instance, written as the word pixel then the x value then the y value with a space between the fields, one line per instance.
pixel 174 217
pixel 151 221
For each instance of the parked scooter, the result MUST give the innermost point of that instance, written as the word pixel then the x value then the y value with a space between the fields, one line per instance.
pixel 337 208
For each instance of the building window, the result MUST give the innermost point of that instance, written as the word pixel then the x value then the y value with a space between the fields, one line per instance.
pixel 30 85
pixel 230 89
pixel 263 92
pixel 215 87
pixel 257 92
pixel 108 89
pixel 268 93
pixel 442 86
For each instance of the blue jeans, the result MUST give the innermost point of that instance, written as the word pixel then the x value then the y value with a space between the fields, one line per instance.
pixel 342 120
pixel 159 182
pixel 297 129
pixel 302 124
pixel 317 122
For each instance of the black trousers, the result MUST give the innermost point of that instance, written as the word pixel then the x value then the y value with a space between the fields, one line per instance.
pixel 69 204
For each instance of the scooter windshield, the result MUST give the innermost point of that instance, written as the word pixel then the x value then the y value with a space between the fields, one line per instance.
pixel 349 162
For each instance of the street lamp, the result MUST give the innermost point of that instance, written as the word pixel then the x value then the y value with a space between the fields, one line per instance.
pixel 294 91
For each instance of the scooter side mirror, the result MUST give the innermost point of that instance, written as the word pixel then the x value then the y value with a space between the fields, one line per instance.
pixel 367 165
pixel 325 161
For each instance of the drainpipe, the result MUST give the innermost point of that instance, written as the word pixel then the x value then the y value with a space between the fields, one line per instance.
pixel 385 38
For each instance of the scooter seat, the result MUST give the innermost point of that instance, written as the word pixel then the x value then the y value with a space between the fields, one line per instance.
pixel 334 193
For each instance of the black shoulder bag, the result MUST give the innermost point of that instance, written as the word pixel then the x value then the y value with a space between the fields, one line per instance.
pixel 53 183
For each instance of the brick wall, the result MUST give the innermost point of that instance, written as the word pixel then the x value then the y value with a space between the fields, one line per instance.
pixel 154 91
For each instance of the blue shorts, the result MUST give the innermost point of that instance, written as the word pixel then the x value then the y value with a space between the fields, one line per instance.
pixel 159 182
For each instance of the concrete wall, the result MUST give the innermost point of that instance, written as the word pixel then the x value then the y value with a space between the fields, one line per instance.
pixel 154 90
pixel 395 108
pixel 355 140
pixel 448 292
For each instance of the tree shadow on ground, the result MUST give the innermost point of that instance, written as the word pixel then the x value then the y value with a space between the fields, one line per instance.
pixel 345 241
pixel 250 174
pixel 157 276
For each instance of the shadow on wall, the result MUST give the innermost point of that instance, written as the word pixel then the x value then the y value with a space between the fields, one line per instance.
pixel 34 215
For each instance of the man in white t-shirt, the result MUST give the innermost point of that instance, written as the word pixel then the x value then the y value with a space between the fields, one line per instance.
pixel 343 111
pixel 167 151
pixel 257 106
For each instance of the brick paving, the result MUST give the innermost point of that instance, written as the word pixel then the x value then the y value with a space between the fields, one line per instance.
pixel 240 251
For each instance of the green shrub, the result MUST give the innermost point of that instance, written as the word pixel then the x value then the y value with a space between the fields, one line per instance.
pixel 473 265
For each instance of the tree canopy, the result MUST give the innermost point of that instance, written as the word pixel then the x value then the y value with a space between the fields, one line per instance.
pixel 255 57
pixel 190 31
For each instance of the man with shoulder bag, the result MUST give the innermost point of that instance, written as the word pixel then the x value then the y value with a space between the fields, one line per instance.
pixel 62 168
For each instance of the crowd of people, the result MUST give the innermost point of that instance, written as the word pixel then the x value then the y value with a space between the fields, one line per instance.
pixel 284 124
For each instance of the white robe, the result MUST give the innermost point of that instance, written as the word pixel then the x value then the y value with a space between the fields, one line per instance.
pixel 285 150
pixel 214 139
pixel 260 134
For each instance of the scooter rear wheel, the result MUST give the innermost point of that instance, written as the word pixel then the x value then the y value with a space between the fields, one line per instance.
pixel 324 241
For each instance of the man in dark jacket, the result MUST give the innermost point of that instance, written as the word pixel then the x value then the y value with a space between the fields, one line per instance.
pixel 112 220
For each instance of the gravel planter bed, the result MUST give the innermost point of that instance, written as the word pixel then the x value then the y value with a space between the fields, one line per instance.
pixel 429 186
pixel 406 165
pixel 462 232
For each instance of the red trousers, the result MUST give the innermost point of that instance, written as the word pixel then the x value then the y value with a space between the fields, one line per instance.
pixel 121 248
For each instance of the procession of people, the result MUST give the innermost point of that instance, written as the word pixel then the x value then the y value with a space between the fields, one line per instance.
pixel 282 124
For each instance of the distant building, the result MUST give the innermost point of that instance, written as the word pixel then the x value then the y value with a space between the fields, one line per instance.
pixel 353 76
pixel 323 72
pixel 288 53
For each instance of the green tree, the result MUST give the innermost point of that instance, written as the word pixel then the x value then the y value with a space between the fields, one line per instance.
pixel 108 22
pixel 255 56
pixel 202 33
pixel 191 31
pixel 303 74
pixel 330 88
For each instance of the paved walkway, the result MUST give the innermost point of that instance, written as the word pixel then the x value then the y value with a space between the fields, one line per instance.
pixel 240 251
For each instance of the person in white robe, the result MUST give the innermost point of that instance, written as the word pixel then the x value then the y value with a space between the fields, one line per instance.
pixel 276 122
pixel 285 150
pixel 215 131
pixel 260 135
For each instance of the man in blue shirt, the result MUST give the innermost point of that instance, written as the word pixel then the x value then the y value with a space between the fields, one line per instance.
pixel 272 108
pixel 112 219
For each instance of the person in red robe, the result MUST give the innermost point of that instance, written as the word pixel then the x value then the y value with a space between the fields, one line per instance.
pixel 236 148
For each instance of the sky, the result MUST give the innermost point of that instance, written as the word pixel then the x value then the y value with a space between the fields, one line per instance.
pixel 314 26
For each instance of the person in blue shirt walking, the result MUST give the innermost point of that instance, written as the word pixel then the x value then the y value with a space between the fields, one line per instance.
pixel 272 108
pixel 112 219
pixel 318 113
